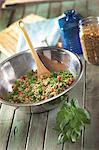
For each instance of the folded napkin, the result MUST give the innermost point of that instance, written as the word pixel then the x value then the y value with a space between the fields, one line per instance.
pixel 41 33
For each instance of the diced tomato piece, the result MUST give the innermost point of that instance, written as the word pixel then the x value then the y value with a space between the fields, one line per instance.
pixel 20 93
pixel 52 89
pixel 59 78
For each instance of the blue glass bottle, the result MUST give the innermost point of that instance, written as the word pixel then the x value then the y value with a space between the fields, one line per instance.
pixel 69 26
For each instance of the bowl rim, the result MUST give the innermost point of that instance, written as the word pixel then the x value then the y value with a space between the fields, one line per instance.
pixel 52 98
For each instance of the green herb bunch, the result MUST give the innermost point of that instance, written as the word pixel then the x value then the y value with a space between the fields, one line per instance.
pixel 70 121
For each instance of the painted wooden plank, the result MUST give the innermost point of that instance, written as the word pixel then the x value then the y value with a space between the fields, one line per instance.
pixel 80 7
pixel 39 9
pixel 30 9
pixel 55 10
pixel 4 17
pixel 93 8
pixel 77 92
pixel 18 13
pixel 43 10
pixel 51 142
pixel 6 120
pixel 19 131
pixel 66 5
pixel 91 140
pixel 37 130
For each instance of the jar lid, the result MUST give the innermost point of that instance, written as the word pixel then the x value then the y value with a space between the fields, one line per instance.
pixel 88 20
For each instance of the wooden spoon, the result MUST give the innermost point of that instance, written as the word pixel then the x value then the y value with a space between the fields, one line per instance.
pixel 41 69
pixel 53 64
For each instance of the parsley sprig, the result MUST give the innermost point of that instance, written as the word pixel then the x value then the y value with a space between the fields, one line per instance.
pixel 70 121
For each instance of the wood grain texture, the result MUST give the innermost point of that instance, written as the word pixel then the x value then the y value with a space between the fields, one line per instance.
pixel 54 10
pixel 6 112
pixel 36 134
pixel 91 138
pixel 14 125
pixel 4 18
pixel 77 92
pixel 80 6
pixel 18 134
pixel 51 137
pixel 93 8
pixel 6 120
pixel 18 13
pixel 8 44
pixel 30 9
pixel 42 9
pixel 66 5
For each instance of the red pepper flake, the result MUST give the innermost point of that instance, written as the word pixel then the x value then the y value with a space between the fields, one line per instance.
pixel 20 93
pixel 52 90
pixel 59 78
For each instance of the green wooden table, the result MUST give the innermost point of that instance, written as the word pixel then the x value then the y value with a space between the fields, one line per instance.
pixel 24 131
pixel 20 130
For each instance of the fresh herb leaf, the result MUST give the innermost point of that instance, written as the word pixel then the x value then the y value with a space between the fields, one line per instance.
pixel 29 73
pixel 70 121
pixel 40 88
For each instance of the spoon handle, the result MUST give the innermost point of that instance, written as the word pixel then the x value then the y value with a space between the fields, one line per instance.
pixel 21 25
pixel 41 69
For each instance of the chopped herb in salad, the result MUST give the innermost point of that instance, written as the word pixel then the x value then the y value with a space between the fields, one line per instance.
pixel 30 89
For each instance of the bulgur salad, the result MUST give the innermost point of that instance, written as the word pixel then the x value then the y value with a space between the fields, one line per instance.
pixel 31 89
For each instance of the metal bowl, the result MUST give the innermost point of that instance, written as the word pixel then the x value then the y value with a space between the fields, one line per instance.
pixel 18 64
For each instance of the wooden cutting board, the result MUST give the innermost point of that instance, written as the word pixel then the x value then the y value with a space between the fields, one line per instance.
pixel 9 36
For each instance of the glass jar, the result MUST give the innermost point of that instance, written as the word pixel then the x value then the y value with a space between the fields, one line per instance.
pixel 89 37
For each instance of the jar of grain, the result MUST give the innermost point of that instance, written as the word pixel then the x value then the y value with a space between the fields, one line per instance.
pixel 89 38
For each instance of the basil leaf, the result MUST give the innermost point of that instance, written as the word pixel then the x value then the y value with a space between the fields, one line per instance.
pixel 70 121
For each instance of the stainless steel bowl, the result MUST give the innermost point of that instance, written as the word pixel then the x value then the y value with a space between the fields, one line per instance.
pixel 18 64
